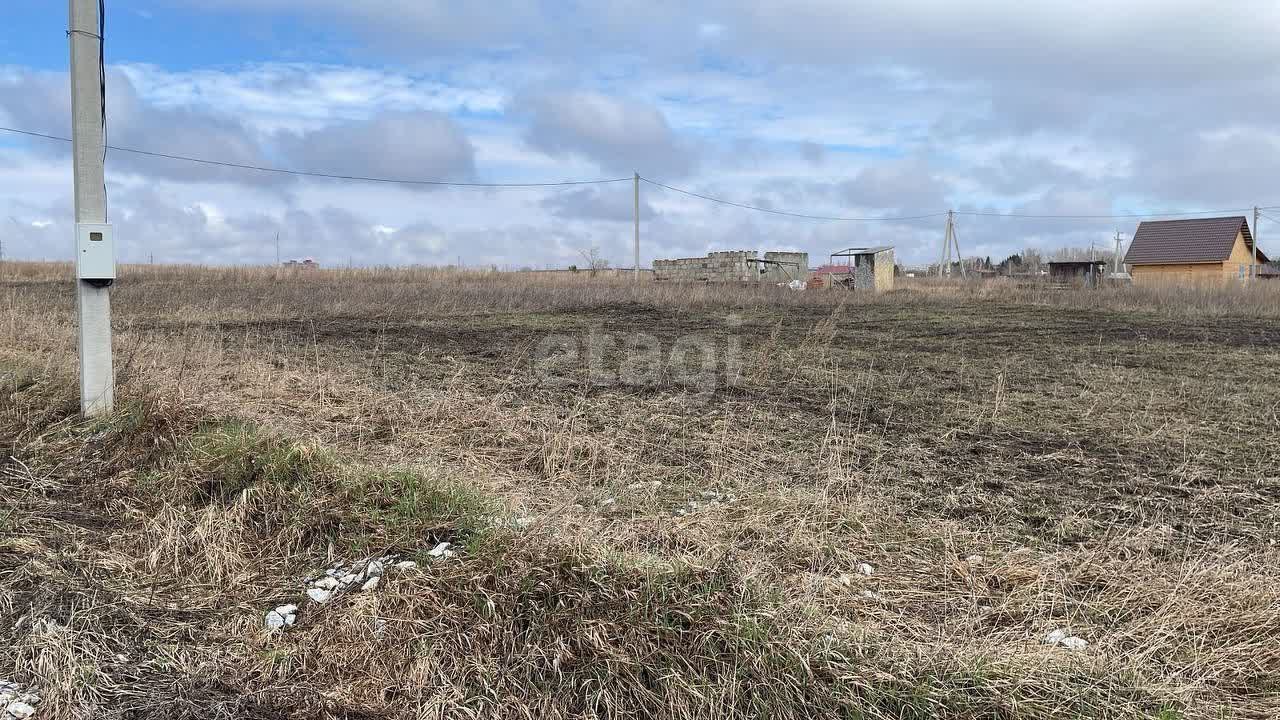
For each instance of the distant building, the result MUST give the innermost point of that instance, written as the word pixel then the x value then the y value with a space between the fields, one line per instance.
pixel 1077 272
pixel 303 263
pixel 1198 250
pixel 735 266
pixel 869 269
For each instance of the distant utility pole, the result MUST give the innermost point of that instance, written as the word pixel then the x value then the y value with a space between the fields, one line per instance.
pixel 636 188
pixel 949 241
pixel 95 252
pixel 13 220
pixel 277 248
pixel 1253 270
pixel 944 259
pixel 1115 261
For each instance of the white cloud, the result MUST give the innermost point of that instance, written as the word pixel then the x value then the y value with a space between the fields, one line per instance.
pixel 618 134
pixel 818 106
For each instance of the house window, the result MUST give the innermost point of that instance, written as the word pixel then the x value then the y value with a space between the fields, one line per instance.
pixel 1241 269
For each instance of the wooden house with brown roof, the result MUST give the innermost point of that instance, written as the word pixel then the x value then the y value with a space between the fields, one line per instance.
pixel 1196 250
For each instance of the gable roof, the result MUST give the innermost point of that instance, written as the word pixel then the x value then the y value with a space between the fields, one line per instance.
pixel 1198 240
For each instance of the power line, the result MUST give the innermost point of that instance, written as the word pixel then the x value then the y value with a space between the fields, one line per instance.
pixel 1102 217
pixel 971 213
pixel 330 176
pixel 604 181
pixel 784 212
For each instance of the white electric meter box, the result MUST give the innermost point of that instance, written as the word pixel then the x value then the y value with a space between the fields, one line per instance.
pixel 95 252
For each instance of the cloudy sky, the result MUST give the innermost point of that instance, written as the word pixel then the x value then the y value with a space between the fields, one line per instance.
pixel 875 108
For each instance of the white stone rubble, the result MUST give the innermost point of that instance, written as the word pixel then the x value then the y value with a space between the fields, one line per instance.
pixel 360 576
pixel 866 569
pixel 1063 638
pixel 442 551
pixel 17 704
pixel 327 582
pixel 709 498
pixel 281 617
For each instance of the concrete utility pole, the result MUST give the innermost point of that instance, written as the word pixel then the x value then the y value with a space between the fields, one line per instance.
pixel 944 260
pixel 1115 261
pixel 637 219
pixel 1253 270
pixel 949 241
pixel 95 254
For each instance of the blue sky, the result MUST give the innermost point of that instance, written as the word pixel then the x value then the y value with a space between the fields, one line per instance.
pixel 818 106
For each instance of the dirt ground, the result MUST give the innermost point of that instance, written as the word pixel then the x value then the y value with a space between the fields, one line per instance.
pixel 1004 466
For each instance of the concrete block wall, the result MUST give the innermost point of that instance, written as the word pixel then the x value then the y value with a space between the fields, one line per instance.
pixel 726 266
pixel 797 271
pixel 733 266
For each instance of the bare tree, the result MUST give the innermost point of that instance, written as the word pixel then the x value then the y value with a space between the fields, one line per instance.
pixel 595 263
pixel 1081 253
pixel 1031 260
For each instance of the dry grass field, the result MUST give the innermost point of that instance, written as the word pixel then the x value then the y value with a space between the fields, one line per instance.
pixel 665 502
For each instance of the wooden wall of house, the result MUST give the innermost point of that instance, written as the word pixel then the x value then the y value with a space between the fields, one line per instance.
pixel 1179 273
pixel 1241 258
pixel 1213 272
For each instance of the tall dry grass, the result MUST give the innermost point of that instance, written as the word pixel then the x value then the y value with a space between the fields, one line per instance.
pixel 991 473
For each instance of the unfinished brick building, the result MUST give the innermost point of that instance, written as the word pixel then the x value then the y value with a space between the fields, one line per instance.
pixel 735 266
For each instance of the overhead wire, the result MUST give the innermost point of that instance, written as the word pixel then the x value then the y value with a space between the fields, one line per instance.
pixel 970 213
pixel 326 175
pixel 603 181
pixel 785 212
pixel 1169 213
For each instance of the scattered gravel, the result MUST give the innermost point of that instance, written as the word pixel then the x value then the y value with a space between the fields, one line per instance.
pixel 650 485
pixel 707 498
pixel 361 576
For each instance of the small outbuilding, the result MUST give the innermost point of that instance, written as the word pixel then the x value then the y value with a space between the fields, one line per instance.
pixel 1077 272
pixel 1195 250
pixel 866 269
